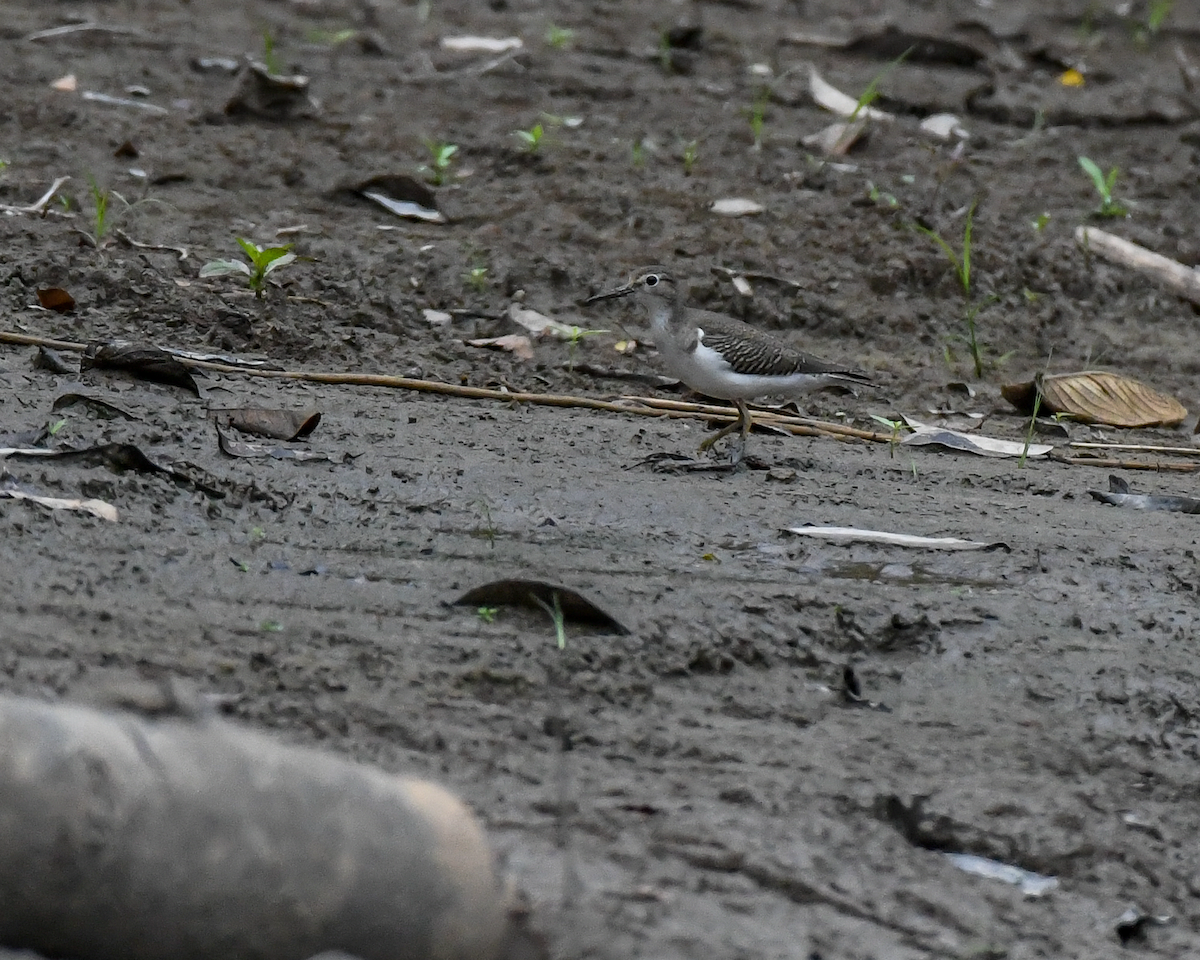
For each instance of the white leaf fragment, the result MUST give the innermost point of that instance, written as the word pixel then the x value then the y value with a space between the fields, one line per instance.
pixel 97 508
pixel 826 95
pixel 468 44
pixel 736 207
pixel 856 535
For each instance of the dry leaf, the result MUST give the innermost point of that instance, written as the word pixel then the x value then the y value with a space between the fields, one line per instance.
pixel 56 299
pixel 65 84
pixel 826 95
pixel 482 44
pixel 1096 396
pixel 517 344
pixel 736 207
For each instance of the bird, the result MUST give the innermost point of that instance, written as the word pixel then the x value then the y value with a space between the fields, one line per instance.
pixel 723 357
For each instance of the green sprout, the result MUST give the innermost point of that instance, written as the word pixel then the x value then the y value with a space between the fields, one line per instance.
pixel 881 196
pixel 637 154
pixel 331 38
pixel 961 262
pixel 100 200
pixel 54 428
pixel 476 278
pixel 575 337
pixel 895 426
pixel 664 52
pixel 4 165
pixel 532 138
pixel 1037 406
pixel 556 615
pixel 487 614
pixel 263 262
pixel 559 37
pixel 270 626
pixel 440 157
pixel 691 151
pixel 1157 16
pixel 1040 223
pixel 756 114
pixel 270 59
pixel 871 91
pixel 1104 186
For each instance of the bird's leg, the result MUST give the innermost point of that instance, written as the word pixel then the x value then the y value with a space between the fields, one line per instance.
pixel 742 421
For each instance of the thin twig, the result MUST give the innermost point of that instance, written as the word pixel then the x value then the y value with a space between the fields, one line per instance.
pixel 639 406
pixel 40 205
pixel 1135 447
pixel 1159 466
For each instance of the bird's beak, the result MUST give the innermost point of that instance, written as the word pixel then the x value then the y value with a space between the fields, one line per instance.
pixel 612 294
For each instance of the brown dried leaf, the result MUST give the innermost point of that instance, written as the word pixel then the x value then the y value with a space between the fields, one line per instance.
pixel 56 299
pixel 144 362
pixel 576 608
pixel 1096 396
pixel 277 424
pixel 516 344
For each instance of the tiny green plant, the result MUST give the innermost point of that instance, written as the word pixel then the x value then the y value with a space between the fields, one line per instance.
pixel 1104 184
pixel 532 138
pixel 332 38
pixel 101 197
pixel 574 340
pixel 476 278
pixel 1157 15
pixel 756 114
pixel 691 152
pixel 560 38
pixel 556 615
pixel 871 91
pixel 961 262
pixel 270 58
pixel 1037 406
pixel 55 427
pixel 664 53
pixel 487 614
pixel 4 164
pixel 263 262
pixel 895 426
pixel 1041 222
pixel 441 155
pixel 637 154
pixel 881 196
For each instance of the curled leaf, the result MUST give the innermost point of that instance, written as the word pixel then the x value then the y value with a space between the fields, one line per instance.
pixel 1096 396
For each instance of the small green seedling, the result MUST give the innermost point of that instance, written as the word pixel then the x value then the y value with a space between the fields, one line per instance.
pixel 1040 223
pixel 756 114
pixel 440 157
pixel 532 138
pixel 871 92
pixel 895 426
pixel 332 38
pixel 487 614
pixel 576 337
pixel 556 614
pixel 1037 406
pixel 101 198
pixel 637 154
pixel 1157 16
pixel 263 262
pixel 691 152
pixel 881 196
pixel 559 37
pixel 476 278
pixel 1104 186
pixel 55 427
pixel 4 165
pixel 961 262
pixel 270 59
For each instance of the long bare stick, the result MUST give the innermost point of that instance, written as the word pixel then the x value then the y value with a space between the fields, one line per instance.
pixel 639 406
pixel 40 205
pixel 1181 279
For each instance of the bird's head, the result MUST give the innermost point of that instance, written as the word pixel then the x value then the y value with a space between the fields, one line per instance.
pixel 646 283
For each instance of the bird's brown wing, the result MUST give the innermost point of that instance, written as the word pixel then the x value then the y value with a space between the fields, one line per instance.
pixel 749 350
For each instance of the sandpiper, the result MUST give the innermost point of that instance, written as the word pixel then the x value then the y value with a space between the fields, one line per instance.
pixel 722 357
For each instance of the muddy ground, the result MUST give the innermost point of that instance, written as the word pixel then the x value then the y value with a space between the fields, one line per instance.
pixel 1036 706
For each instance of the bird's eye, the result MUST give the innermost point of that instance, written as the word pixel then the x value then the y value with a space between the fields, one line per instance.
pixel 651 280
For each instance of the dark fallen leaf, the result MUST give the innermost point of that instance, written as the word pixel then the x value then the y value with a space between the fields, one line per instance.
pixel 126 456
pixel 394 186
pixel 1096 396
pixel 126 150
pixel 240 448
pixel 277 424
pixel 95 404
pixel 1118 495
pixel 56 299
pixel 54 361
pixel 526 593
pixel 1131 925
pixel 23 439
pixel 139 360
pixel 267 96
pixel 893 43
